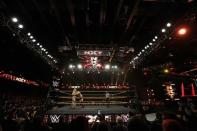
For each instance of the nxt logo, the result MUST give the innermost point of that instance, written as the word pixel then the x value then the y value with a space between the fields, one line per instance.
pixel 94 53
pixel 55 118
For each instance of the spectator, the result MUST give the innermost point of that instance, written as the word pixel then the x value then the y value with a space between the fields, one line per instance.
pixel 120 125
pixel 137 124
pixel 79 124
pixel 171 125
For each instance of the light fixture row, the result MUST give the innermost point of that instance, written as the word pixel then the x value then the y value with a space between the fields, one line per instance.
pixel 33 40
pixel 149 45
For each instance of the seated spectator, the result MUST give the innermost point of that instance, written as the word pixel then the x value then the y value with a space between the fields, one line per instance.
pixel 120 125
pixel 137 124
pixel 79 124
pixel 171 125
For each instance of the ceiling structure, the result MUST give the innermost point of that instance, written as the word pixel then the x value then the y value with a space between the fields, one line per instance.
pixel 121 27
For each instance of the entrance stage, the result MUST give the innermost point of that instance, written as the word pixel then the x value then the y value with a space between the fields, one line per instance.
pixel 90 110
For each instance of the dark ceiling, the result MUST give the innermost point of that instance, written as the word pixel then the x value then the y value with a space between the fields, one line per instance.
pixel 96 23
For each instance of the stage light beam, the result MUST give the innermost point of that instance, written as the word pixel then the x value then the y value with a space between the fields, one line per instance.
pixel 107 66
pixel 79 66
pixel 182 31
pixel 163 30
pixel 14 19
pixel 168 24
pixel 20 26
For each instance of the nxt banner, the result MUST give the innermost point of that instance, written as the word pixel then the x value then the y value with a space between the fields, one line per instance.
pixel 93 53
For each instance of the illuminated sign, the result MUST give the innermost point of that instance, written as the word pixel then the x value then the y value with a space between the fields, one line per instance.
pixel 54 118
pixel 18 79
pixel 93 53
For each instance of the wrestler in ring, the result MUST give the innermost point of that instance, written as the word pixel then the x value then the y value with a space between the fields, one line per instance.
pixel 75 95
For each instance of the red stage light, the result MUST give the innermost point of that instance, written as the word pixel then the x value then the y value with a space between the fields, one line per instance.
pixel 182 31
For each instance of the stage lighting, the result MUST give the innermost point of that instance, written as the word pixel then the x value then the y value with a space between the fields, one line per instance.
pixel 182 31
pixel 107 66
pixel 163 30
pixel 71 66
pixel 166 71
pixel 114 67
pixel 14 19
pixel 156 37
pixel 40 46
pixel 146 47
pixel 79 66
pixel 28 34
pixel 33 40
pixel 38 43
pixel 20 26
pixel 150 43
pixel 142 50
pixel 31 37
pixel 168 24
pixel 154 40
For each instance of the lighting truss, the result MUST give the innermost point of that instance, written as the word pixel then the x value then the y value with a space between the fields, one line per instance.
pixel 153 45
pixel 27 39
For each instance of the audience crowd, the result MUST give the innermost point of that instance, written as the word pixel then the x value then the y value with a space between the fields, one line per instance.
pixel 27 114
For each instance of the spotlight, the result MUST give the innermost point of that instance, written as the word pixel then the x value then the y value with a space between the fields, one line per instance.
pixel 115 67
pixel 150 43
pixel 166 71
pixel 156 37
pixel 168 24
pixel 38 43
pixel 154 40
pixel 163 30
pixel 142 50
pixel 20 26
pixel 79 66
pixel 182 31
pixel 146 47
pixel 14 19
pixel 33 40
pixel 28 34
pixel 46 52
pixel 31 37
pixel 71 66
pixel 107 66
pixel 40 46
